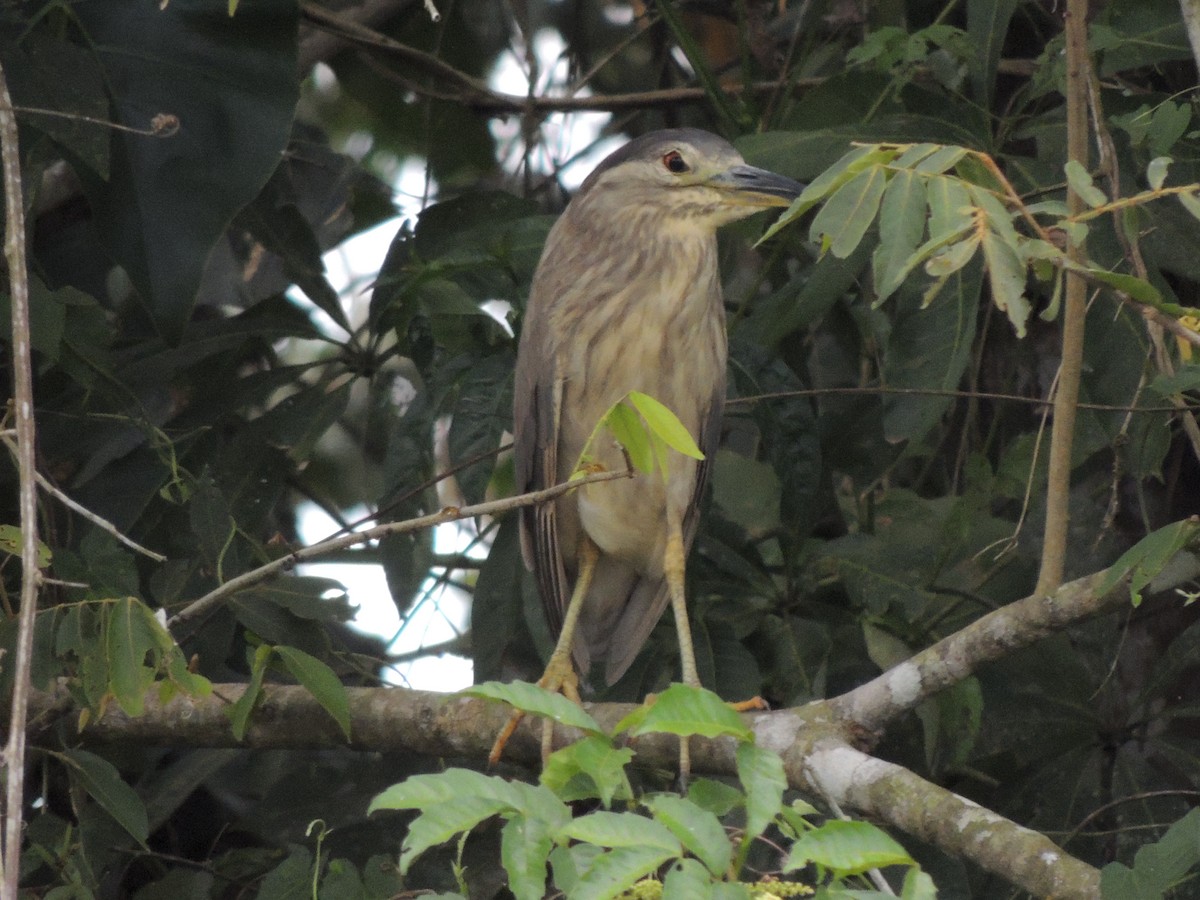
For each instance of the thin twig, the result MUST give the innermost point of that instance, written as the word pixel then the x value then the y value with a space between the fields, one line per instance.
pixel 99 521
pixel 450 514
pixel 942 392
pixel 18 281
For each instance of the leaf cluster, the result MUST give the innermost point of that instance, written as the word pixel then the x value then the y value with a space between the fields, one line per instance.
pixel 609 852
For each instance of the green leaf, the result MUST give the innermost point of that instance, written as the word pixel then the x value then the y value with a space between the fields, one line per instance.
pixel 127 642
pixel 1157 867
pixel 630 433
pixel 103 783
pixel 699 830
pixel 291 879
pixel 567 862
pixel 1081 183
pixel 847 215
pixel 440 822
pixel 1156 171
pixel 830 181
pixel 306 596
pixel 952 257
pixel 942 160
pixel 525 845
pixel 239 712
pixel 684 711
pixel 1148 557
pixel 616 870
pixel 628 829
pixel 10 542
pixel 914 154
pixel 901 224
pixel 421 791
pixel 530 698
pixel 687 880
pixel 761 772
pixel 918 886
pixel 950 209
pixel 590 767
pixel 846 848
pixel 1006 276
pixel 715 796
pixel 987 27
pixel 320 681
pixel 169 199
pixel 665 424
pixel 1135 287
pixel 482 413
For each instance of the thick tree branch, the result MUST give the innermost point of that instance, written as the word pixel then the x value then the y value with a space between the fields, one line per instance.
pixel 901 688
pixel 821 743
pixel 892 793
pixel 818 759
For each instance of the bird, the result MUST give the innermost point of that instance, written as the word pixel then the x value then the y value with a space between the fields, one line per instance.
pixel 626 297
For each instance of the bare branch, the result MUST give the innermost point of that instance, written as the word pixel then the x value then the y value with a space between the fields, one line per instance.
pixel 18 285
pixel 99 521
pixel 212 599
pixel 872 705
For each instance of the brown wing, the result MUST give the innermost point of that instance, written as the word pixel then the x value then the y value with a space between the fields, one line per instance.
pixel 650 598
pixel 537 397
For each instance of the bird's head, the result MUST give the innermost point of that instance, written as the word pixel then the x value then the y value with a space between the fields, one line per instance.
pixel 683 174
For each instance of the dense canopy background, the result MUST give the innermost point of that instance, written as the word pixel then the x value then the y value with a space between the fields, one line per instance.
pixel 883 479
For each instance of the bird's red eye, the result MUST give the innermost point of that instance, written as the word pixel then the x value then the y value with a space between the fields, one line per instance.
pixel 675 163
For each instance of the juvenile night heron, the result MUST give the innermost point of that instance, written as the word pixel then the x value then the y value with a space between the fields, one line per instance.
pixel 626 297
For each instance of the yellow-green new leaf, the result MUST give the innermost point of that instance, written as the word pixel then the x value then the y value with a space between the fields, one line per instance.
pixel 10 542
pixel 631 434
pixel 665 424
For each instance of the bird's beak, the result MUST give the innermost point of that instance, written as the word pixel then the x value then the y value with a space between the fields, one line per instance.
pixel 758 187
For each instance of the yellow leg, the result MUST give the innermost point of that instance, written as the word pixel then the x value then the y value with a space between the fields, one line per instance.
pixel 673 568
pixel 560 670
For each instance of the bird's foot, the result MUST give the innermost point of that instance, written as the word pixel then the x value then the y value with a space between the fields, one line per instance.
pixel 754 704
pixel 560 678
